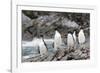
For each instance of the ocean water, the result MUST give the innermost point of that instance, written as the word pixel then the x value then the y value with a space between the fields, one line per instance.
pixel 29 50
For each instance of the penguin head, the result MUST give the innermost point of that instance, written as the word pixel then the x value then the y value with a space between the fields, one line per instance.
pixel 74 32
pixel 69 35
pixel 56 32
pixel 82 30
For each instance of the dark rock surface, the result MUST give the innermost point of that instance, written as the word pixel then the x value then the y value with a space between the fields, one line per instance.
pixel 37 23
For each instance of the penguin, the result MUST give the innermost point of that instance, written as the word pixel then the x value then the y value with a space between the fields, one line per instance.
pixel 57 40
pixel 81 37
pixel 74 36
pixel 70 41
pixel 42 48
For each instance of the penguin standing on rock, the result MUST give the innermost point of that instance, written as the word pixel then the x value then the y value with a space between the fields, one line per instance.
pixel 81 37
pixel 57 40
pixel 42 48
pixel 70 41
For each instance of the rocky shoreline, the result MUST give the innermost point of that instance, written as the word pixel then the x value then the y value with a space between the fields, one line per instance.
pixel 37 24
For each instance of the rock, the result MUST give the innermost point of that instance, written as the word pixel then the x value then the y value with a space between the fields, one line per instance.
pixel 32 59
pixel 84 56
pixel 42 58
pixel 64 58
pixel 76 55
pixel 31 14
pixel 27 36
pixel 50 57
pixel 26 21
pixel 60 53
pixel 70 24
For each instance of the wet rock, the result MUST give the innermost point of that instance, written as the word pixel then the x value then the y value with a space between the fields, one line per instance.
pixel 60 53
pixel 50 57
pixel 65 58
